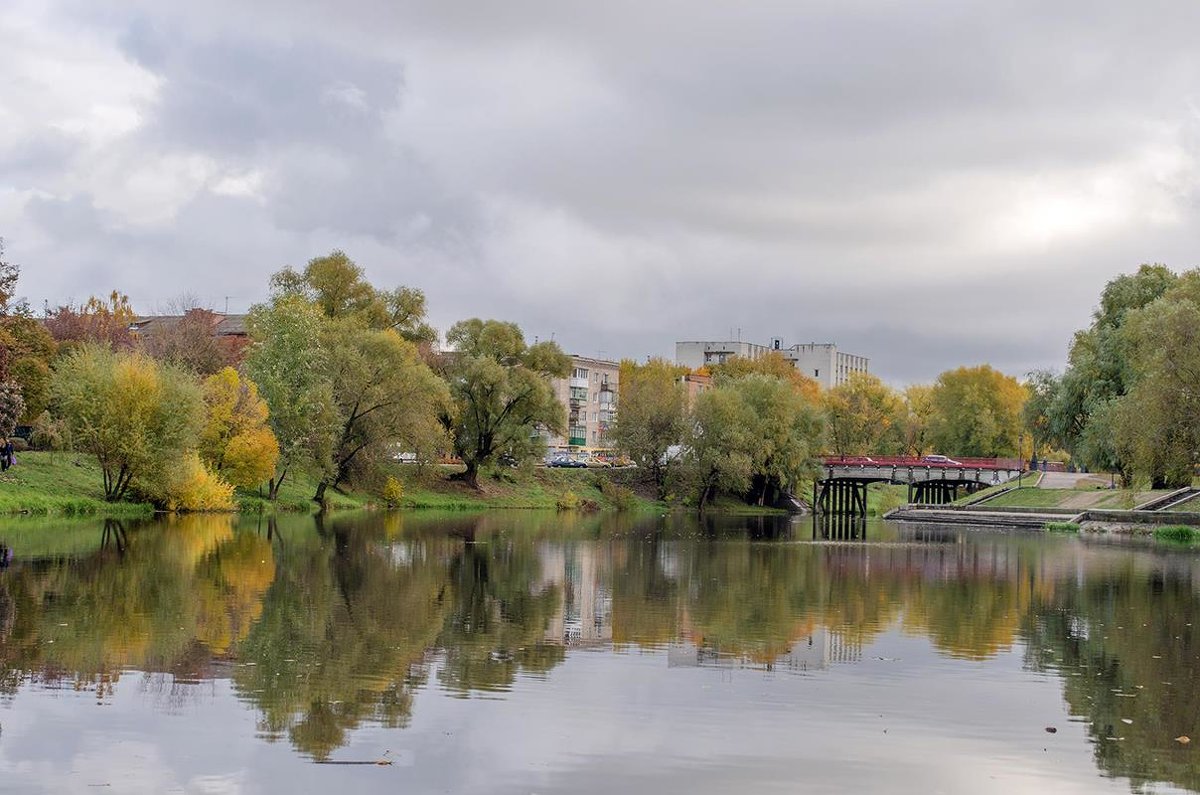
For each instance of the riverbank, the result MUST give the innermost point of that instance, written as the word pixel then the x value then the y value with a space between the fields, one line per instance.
pixel 66 484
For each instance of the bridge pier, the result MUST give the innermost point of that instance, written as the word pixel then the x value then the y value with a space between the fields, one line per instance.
pixel 840 497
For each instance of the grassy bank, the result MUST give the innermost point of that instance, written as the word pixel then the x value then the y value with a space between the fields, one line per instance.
pixel 1081 499
pixel 526 487
pixel 59 484
pixel 67 484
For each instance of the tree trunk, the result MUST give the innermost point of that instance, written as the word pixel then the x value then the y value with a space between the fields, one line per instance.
pixel 471 476
pixel 273 486
pixel 319 497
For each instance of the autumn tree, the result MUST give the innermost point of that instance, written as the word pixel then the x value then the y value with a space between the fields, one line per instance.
pixel 236 441
pixel 651 416
pixel 187 341
pixel 105 321
pixel 138 417
pixel 26 351
pixel 500 388
pixel 863 415
pixel 916 415
pixel 9 273
pixel 976 412
pixel 772 363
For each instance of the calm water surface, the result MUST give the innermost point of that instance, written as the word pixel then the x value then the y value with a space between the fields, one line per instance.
pixel 522 653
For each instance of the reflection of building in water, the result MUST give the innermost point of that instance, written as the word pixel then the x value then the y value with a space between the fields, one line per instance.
pixel 584 615
pixel 816 651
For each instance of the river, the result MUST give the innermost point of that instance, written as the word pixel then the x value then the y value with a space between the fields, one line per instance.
pixel 520 652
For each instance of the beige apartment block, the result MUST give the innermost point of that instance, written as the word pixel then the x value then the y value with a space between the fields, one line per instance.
pixel 589 396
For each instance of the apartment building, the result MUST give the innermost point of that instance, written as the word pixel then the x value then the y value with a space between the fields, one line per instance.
pixel 589 396
pixel 822 362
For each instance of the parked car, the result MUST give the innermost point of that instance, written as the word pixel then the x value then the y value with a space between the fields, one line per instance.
pixel 566 462
pixel 592 462
pixel 940 460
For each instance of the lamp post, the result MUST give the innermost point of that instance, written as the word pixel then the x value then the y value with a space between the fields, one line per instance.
pixel 1020 457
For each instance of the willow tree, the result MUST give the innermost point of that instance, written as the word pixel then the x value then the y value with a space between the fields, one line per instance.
pixel 137 416
pixel 501 393
pixel 651 418
pixel 385 398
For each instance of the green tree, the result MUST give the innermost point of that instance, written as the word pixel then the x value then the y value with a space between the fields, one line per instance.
pixel 385 398
pixel 287 361
pixel 337 285
pixel 501 393
pixel 1099 370
pixel 787 431
pixel 772 363
pixel 863 414
pixel 650 417
pixel 720 450
pixel 1157 435
pixel 977 412
pixel 137 416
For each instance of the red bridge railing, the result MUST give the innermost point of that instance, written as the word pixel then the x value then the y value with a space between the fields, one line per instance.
pixel 918 461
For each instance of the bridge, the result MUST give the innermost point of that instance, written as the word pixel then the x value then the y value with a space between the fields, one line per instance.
pixel 842 487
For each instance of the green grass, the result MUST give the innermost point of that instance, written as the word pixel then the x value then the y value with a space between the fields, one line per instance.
pixel 1062 527
pixel 1178 533
pixel 62 484
pixel 1032 497
pixel 296 496
pixel 526 487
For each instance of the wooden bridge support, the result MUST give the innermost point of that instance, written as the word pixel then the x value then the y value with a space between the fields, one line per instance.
pixel 840 497
pixel 936 492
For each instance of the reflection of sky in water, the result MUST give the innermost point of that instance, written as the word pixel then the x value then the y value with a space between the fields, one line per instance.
pixel 909 694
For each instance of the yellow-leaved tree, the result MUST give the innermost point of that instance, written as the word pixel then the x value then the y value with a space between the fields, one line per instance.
pixel 236 442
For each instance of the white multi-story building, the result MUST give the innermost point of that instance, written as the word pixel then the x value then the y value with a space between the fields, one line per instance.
pixel 822 362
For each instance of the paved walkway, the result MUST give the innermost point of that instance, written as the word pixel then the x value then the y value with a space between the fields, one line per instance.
pixel 1068 480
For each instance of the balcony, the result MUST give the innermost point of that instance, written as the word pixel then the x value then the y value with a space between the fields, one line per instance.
pixel 578 383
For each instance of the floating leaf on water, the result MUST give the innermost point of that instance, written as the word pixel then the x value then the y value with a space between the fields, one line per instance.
pixel 1183 739
pixel 1128 721
pixel 1052 729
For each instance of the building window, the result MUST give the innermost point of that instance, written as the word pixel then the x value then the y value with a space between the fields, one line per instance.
pixel 816 373
pixel 579 393
pixel 583 416
pixel 580 372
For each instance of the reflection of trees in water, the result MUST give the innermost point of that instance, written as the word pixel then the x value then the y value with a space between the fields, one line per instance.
pixel 1126 642
pixel 324 628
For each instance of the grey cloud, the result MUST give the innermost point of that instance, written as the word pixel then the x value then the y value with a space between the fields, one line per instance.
pixel 929 187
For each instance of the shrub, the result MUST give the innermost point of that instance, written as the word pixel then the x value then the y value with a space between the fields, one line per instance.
pixel 621 497
pixel 568 501
pixel 1062 527
pixel 49 433
pixel 393 491
pixel 1177 532
pixel 192 487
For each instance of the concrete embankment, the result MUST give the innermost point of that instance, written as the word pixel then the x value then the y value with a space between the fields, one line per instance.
pixel 1093 519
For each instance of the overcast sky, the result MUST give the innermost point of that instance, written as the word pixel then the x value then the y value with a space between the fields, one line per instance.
pixel 927 185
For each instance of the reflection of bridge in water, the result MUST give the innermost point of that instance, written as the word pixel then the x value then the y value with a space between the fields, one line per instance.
pixel 842 489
